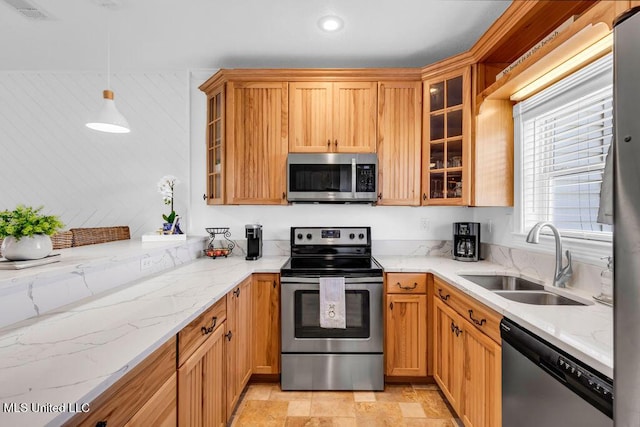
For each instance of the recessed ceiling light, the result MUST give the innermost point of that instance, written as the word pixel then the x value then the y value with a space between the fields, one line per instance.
pixel 330 23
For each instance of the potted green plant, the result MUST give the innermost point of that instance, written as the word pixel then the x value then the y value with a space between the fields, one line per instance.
pixel 26 233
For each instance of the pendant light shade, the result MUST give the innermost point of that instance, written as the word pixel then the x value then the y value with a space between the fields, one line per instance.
pixel 109 119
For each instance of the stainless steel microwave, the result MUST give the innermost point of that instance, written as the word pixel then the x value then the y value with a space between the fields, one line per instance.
pixel 332 177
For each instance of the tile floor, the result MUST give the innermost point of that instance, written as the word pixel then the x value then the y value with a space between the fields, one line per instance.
pixel 265 405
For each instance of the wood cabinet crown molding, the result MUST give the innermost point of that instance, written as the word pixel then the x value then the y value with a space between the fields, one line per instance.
pixel 309 74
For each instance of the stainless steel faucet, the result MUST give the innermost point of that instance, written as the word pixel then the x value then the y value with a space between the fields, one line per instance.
pixel 562 273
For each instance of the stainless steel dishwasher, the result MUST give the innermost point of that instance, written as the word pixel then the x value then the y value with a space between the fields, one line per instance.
pixel 544 386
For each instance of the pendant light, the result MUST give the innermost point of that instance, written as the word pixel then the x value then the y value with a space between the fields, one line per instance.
pixel 109 119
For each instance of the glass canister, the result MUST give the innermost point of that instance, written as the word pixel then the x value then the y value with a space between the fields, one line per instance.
pixel 606 283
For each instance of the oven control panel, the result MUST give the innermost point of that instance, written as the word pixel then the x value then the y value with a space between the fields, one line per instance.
pixel 331 236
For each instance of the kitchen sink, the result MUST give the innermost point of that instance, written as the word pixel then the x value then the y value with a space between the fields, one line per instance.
pixel 537 298
pixel 503 283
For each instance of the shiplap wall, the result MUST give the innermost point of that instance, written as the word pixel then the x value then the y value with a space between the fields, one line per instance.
pixel 48 157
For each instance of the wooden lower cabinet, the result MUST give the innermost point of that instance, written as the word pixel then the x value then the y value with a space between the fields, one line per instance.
pixel 406 335
pixel 467 367
pixel 144 388
pixel 201 384
pixel 265 293
pixel 448 350
pixel 482 380
pixel 161 410
pixel 238 342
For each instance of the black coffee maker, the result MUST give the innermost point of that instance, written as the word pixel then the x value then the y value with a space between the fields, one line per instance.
pixel 253 233
pixel 466 241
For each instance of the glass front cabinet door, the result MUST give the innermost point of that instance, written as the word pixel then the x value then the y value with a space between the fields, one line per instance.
pixel 447 139
pixel 215 147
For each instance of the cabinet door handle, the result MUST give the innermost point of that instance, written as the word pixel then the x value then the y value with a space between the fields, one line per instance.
pixel 204 197
pixel 379 196
pixel 455 329
pixel 476 321
pixel 237 292
pixel 328 143
pixel 336 142
pixel 443 297
pixel 101 424
pixel 284 195
pixel 424 196
pixel 207 330
pixel 391 306
pixel 407 288
pixel 228 335
pixel 274 284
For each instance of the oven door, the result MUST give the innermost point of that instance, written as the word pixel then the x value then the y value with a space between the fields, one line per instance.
pixel 301 331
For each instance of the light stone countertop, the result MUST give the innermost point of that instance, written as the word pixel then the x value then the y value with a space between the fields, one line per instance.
pixel 72 354
pixel 585 332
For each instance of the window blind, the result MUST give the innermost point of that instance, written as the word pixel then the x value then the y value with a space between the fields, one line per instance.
pixel 565 134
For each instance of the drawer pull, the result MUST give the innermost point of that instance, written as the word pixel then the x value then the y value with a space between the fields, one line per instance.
pixel 210 329
pixel 407 288
pixel 476 321
pixel 443 297
pixel 228 335
pixel 237 292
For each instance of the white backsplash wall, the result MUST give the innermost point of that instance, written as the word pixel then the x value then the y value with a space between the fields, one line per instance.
pixel 91 178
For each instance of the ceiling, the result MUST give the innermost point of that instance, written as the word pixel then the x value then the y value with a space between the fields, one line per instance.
pixel 210 34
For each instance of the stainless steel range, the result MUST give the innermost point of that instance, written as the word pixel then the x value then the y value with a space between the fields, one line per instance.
pixel 315 358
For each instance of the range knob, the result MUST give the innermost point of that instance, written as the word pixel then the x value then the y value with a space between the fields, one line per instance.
pixel 361 236
pixel 299 236
pixel 309 236
pixel 352 236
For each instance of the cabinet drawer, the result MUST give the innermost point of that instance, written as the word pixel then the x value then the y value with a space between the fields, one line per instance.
pixel 117 405
pixel 402 283
pixel 480 316
pixel 196 332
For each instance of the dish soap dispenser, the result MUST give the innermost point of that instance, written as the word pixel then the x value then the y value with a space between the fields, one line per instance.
pixel 606 281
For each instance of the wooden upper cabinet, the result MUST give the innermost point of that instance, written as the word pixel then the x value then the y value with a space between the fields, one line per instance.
pixel 332 117
pixel 354 112
pixel 215 146
pixel 257 145
pixel 399 127
pixel 446 177
pixel 310 120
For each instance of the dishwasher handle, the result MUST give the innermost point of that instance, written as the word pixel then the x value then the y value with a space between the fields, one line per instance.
pixel 553 371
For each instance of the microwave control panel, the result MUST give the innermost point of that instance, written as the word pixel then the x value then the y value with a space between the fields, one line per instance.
pixel 366 178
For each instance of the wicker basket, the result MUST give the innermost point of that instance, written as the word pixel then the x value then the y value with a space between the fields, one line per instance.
pixel 92 236
pixel 62 240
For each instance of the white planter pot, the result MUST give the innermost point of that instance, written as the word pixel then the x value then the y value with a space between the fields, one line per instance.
pixel 35 247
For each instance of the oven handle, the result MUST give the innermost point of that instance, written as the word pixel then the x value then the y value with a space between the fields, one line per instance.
pixel 284 279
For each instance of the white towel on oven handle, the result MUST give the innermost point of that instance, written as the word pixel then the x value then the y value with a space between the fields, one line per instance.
pixel 332 303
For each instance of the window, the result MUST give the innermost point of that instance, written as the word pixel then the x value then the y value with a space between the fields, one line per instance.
pixel 563 134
